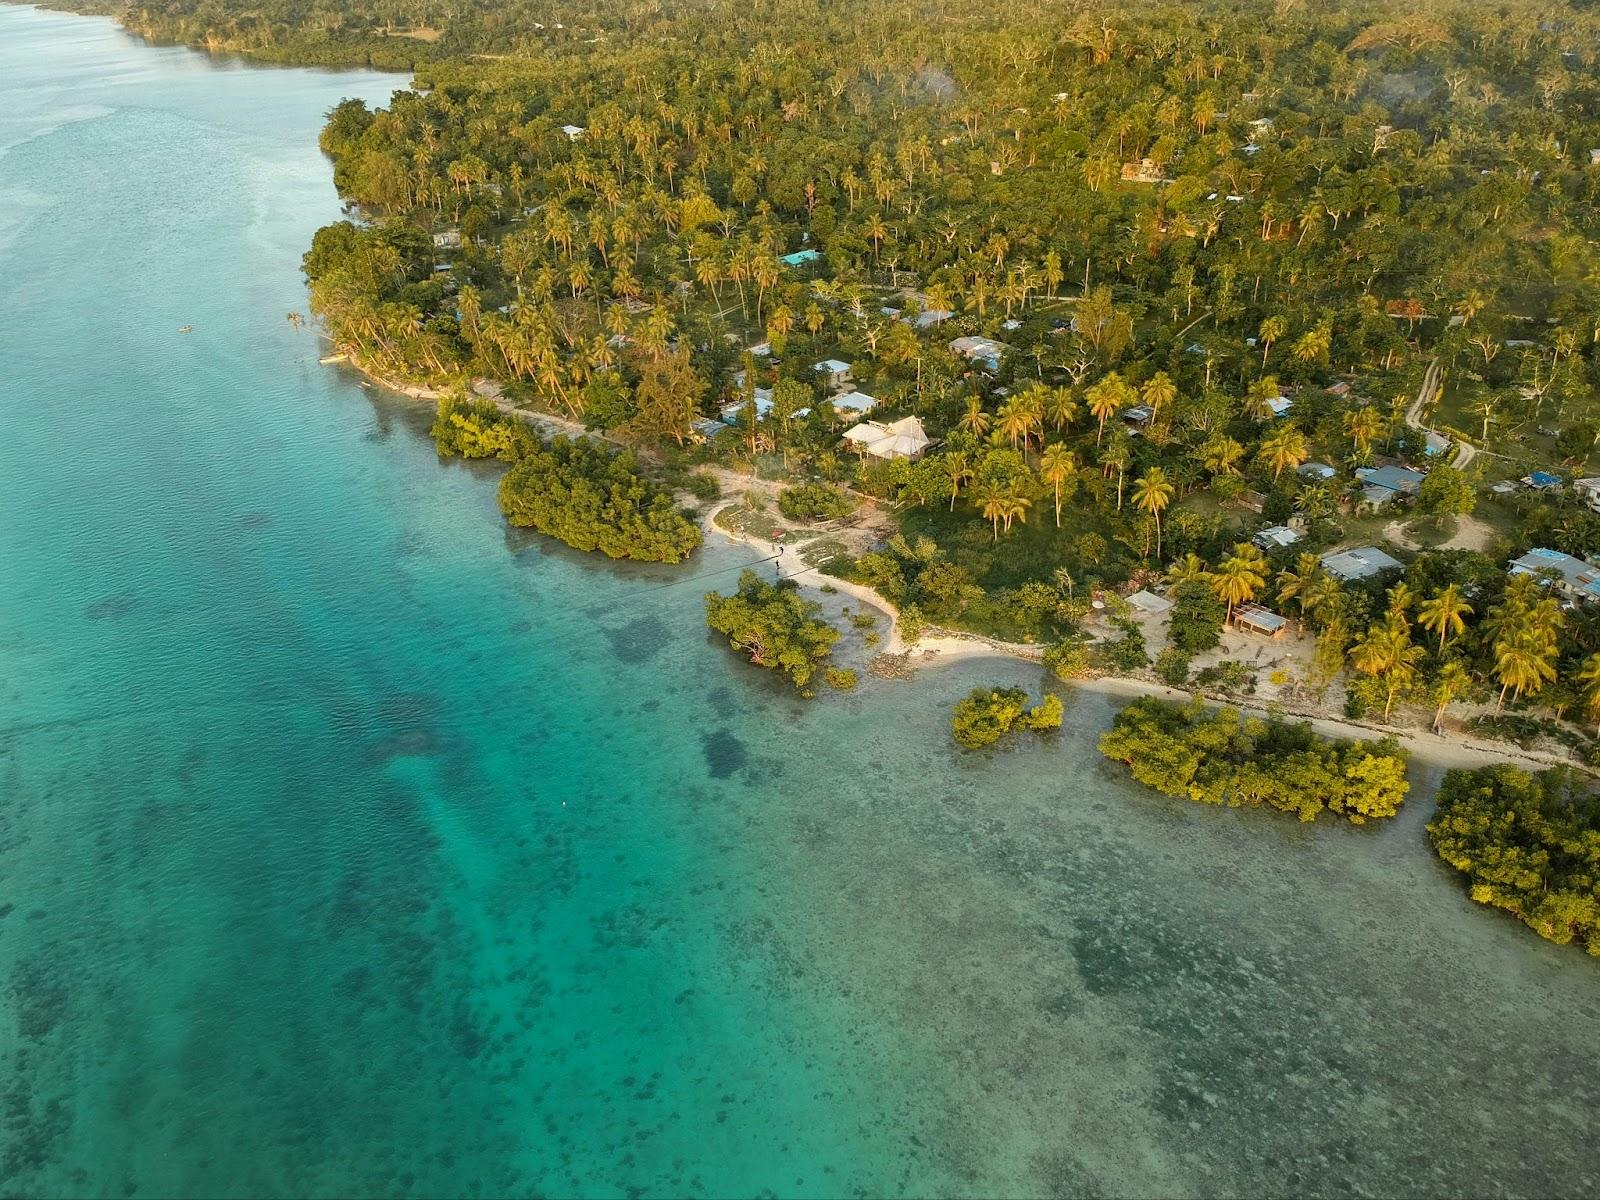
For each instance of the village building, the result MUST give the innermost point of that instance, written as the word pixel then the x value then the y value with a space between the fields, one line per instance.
pixel 901 439
pixel 1276 537
pixel 573 132
pixel 854 402
pixel 835 373
pixel 1252 618
pixel 978 350
pixel 447 239
pixel 1363 562
pixel 1384 485
pixel 1574 578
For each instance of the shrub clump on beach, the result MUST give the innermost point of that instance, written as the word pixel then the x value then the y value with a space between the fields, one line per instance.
pixel 1219 756
pixel 775 626
pixel 815 502
pixel 480 429
pixel 588 496
pixel 988 714
pixel 1528 843
pixel 594 499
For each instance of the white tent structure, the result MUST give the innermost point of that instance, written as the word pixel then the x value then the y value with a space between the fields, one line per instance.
pixel 904 438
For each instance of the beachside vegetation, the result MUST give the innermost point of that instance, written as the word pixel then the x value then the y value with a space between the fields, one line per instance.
pixel 593 498
pixel 775 627
pixel 1528 843
pixel 815 502
pixel 986 715
pixel 1220 756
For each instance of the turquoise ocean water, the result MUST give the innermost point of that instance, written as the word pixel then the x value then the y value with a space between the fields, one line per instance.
pixel 353 845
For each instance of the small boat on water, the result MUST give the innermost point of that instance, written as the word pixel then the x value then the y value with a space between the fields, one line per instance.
pixel 329 359
pixel 185 328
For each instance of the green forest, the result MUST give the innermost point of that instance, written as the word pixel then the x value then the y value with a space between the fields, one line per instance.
pixel 1146 278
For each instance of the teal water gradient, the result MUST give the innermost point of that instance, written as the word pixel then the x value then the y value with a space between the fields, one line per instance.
pixel 351 844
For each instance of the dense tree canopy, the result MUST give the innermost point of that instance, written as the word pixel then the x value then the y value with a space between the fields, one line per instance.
pixel 775 626
pixel 1218 756
pixel 1527 843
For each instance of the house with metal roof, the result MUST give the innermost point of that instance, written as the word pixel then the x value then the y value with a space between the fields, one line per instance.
pixel 930 317
pixel 835 371
pixel 978 350
pixel 1280 405
pixel 1363 562
pixel 1315 470
pixel 855 402
pixel 1573 577
pixel 1252 618
pixel 800 258
pixel 1276 537
pixel 1384 484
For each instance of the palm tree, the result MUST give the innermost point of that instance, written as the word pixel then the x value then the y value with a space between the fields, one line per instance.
pixel 975 420
pixel 1239 577
pixel 1105 399
pixel 1259 396
pixel 1453 680
pixel 1386 650
pixel 1191 568
pixel 1363 426
pixel 1445 614
pixel 1159 392
pixel 1014 505
pixel 297 319
pixel 1061 407
pixel 1295 585
pixel 1523 661
pixel 959 471
pixel 1271 330
pixel 1284 447
pixel 1016 422
pixel 992 501
pixel 1221 455
pixel 1057 465
pixel 1151 494
pixel 1589 676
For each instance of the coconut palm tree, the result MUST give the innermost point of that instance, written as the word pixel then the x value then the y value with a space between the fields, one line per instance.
pixel 1285 447
pixel 1191 568
pixel 1106 398
pixel 1061 408
pixel 1057 467
pixel 1589 676
pixel 1386 650
pixel 1152 493
pixel 990 500
pixel 1453 680
pixel 975 420
pixel 1523 662
pixel 1159 392
pixel 1014 506
pixel 1221 454
pixel 1295 585
pixel 1445 614
pixel 1239 577
pixel 959 471
pixel 1363 426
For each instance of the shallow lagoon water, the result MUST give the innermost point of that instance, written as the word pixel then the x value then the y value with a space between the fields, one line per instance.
pixel 352 844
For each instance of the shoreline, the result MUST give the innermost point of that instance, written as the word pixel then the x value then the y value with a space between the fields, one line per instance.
pixel 1447 750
